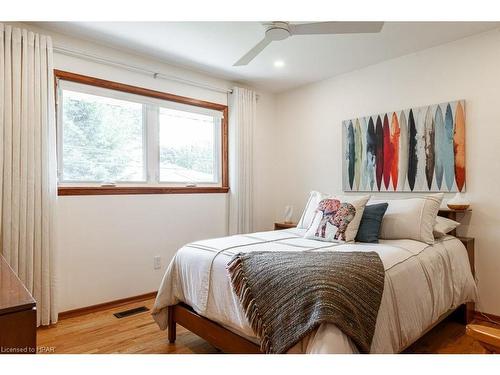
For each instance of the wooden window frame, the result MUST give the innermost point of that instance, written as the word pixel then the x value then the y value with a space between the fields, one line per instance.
pixel 160 189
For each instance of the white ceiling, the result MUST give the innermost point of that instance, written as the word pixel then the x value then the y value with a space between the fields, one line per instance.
pixel 213 47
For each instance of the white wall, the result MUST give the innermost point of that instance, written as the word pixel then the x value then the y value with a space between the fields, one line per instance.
pixel 106 244
pixel 309 127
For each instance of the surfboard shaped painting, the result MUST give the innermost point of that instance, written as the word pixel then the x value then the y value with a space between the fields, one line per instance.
pixel 371 154
pixel 388 152
pixel 403 151
pixel 358 154
pixel 418 149
pixel 429 139
pixel 364 159
pixel 350 153
pixel 447 151
pixel 412 151
pixel 439 145
pixel 459 146
pixel 379 136
pixel 395 135
pixel 420 180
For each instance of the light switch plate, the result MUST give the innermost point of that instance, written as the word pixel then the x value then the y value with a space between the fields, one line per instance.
pixel 157 262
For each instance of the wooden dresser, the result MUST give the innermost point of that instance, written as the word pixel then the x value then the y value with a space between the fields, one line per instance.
pixel 17 314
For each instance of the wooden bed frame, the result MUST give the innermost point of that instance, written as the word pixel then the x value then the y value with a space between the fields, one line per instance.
pixel 230 342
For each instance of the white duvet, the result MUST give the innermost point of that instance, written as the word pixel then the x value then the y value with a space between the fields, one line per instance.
pixel 422 282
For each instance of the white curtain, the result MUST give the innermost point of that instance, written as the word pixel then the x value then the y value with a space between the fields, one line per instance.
pixel 242 117
pixel 28 186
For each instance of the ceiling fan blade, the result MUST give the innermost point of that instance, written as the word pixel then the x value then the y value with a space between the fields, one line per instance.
pixel 336 28
pixel 250 55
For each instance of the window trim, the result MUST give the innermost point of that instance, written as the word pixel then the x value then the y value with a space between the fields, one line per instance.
pixel 121 190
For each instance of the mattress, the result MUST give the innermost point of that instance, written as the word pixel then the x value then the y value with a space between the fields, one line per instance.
pixel 422 282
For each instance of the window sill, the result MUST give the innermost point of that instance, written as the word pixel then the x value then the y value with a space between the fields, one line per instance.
pixel 132 190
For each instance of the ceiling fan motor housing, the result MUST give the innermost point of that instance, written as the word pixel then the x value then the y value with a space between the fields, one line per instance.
pixel 278 31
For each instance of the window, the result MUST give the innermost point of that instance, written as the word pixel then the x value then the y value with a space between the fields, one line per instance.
pixel 120 139
pixel 102 139
pixel 188 147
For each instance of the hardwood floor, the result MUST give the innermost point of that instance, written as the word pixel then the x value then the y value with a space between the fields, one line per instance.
pixel 101 332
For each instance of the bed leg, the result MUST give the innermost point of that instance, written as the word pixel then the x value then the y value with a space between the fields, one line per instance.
pixel 469 312
pixel 171 325
pixel 465 313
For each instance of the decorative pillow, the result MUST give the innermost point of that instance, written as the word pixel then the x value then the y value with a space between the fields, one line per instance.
pixel 369 227
pixel 412 218
pixel 444 226
pixel 337 219
pixel 310 209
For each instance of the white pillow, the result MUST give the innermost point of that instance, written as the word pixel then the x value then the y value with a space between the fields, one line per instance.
pixel 337 219
pixel 412 218
pixel 310 209
pixel 444 226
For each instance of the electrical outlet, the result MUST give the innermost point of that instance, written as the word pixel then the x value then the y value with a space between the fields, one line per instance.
pixel 157 262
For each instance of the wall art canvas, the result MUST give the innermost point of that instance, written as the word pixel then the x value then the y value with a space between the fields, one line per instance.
pixel 417 149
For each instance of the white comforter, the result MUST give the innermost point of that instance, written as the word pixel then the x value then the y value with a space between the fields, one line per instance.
pixel 422 282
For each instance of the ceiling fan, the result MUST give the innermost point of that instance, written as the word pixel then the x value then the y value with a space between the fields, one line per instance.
pixel 279 30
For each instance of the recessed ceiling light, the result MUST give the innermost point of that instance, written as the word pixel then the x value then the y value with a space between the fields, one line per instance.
pixel 279 63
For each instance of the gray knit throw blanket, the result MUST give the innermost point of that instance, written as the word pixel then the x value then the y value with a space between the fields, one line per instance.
pixel 286 295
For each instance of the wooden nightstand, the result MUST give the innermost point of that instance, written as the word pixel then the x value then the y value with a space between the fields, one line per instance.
pixel 452 214
pixel 282 225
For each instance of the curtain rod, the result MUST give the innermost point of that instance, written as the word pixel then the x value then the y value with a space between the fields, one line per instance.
pixel 138 69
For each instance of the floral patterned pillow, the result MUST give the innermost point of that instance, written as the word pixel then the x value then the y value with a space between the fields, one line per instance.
pixel 337 219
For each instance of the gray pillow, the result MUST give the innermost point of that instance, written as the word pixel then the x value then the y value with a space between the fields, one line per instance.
pixel 369 228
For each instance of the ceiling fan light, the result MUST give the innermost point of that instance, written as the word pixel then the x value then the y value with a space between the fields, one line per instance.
pixel 277 33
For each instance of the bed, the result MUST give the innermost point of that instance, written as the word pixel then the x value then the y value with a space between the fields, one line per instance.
pixel 423 284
